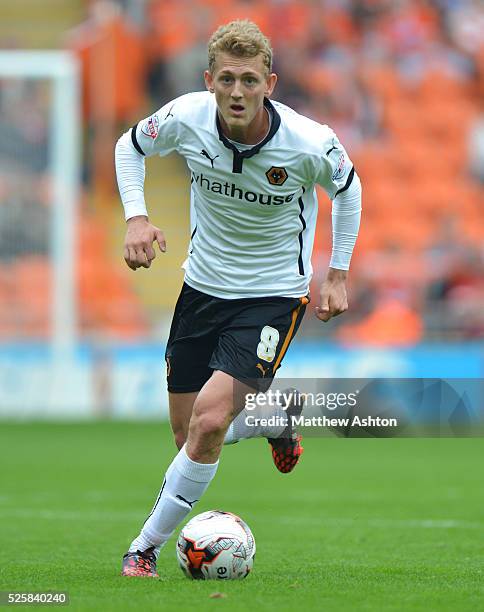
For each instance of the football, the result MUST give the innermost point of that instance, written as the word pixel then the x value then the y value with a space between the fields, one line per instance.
pixel 216 545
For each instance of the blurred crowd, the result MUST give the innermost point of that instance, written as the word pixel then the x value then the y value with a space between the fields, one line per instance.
pixel 402 84
pixel 324 49
pixel 355 64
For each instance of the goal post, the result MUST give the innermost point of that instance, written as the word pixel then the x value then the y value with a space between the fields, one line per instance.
pixel 60 69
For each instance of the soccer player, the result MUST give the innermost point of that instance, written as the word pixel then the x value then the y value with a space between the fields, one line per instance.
pixel 254 165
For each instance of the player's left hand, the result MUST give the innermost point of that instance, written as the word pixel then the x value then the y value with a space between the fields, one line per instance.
pixel 333 300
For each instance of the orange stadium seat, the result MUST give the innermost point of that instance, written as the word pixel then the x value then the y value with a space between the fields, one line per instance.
pixel 442 195
pixel 425 158
pixel 437 87
pixel 369 237
pixel 392 323
pixel 383 81
pixel 7 301
pixel 417 177
pixel 446 120
pixel 6 280
pixel 107 301
pixel 402 119
pixel 33 276
pixel 471 227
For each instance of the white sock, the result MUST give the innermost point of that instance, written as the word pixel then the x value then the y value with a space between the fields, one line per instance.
pixel 243 427
pixel 184 484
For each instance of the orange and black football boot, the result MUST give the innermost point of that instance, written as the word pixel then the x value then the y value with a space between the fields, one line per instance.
pixel 142 564
pixel 287 448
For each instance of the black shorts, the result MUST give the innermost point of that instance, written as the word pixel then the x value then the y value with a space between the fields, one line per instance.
pixel 246 338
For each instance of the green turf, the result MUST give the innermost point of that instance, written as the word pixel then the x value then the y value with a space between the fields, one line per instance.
pixel 360 525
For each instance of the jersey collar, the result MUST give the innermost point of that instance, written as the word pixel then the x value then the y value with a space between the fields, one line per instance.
pixel 239 156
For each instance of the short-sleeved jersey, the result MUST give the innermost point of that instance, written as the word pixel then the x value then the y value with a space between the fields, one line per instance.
pixel 253 211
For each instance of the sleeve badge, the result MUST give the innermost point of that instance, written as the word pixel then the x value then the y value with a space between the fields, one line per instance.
pixel 150 127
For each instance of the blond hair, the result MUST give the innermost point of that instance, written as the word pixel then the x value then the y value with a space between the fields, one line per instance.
pixel 242 38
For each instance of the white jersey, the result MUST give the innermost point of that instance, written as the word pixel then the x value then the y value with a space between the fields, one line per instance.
pixel 253 210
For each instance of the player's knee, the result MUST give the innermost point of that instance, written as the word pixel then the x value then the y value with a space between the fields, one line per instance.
pixel 210 425
pixel 208 420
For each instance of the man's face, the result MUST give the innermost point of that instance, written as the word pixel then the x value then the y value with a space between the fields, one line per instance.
pixel 240 85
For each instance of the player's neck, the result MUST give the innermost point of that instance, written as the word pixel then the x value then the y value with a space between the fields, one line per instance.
pixel 251 134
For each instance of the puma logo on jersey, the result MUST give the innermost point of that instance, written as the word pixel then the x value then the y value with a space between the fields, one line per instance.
pixel 169 113
pixel 262 369
pixel 189 503
pixel 206 154
pixel 332 148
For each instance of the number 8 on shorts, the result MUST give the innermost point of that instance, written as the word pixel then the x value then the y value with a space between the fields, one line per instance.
pixel 269 339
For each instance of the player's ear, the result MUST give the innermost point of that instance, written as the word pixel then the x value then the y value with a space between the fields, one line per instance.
pixel 207 75
pixel 270 84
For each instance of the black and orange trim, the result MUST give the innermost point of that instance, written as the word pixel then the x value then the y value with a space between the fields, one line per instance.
pixel 303 302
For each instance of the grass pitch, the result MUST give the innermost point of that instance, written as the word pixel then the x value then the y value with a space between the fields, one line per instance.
pixel 360 525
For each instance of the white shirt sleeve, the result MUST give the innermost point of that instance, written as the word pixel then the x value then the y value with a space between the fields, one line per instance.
pixel 157 134
pixel 130 172
pixel 336 174
pixel 346 214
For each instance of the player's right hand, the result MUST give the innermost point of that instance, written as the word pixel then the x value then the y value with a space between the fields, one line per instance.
pixel 138 244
